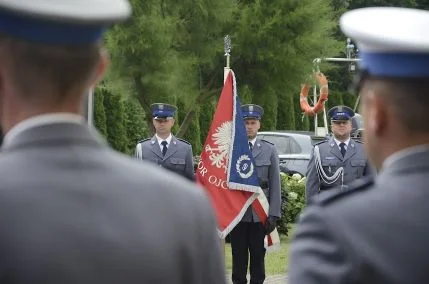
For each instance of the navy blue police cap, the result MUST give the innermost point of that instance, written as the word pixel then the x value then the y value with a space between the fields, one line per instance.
pixel 60 22
pixel 340 113
pixel 162 111
pixel 392 41
pixel 252 111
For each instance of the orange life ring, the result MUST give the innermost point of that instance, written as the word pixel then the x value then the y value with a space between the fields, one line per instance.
pixel 323 96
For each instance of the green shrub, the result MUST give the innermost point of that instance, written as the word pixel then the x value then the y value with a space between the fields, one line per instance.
pixel 293 200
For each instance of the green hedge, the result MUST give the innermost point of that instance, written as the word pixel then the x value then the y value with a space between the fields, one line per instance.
pixel 293 200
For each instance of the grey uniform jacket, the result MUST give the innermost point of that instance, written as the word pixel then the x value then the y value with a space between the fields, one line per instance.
pixel 375 233
pixel 178 158
pixel 74 211
pixel 268 170
pixel 355 166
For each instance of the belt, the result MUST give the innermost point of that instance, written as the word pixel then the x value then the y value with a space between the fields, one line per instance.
pixel 342 187
pixel 323 188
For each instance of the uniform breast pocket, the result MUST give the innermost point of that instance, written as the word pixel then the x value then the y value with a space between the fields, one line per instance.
pixel 358 167
pixel 262 168
pixel 177 163
pixel 330 166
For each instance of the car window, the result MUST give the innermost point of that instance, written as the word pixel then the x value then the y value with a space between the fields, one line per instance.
pixel 283 144
pixel 294 147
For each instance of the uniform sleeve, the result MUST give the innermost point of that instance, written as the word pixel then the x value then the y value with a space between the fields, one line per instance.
pixel 275 185
pixel 312 179
pixel 189 165
pixel 317 253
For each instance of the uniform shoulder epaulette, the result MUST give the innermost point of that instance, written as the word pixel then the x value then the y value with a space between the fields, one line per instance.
pixel 357 186
pixel 144 140
pixel 267 141
pixel 358 141
pixel 320 142
pixel 183 140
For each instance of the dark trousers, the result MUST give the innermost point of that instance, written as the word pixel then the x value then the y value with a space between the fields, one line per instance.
pixel 248 237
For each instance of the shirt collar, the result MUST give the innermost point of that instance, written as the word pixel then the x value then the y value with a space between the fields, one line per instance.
pixel 339 142
pixel 159 139
pixel 402 154
pixel 42 119
pixel 253 141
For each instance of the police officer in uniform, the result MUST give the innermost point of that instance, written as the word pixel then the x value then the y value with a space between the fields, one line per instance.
pixel 73 210
pixel 164 149
pixel 248 236
pixel 336 162
pixel 378 231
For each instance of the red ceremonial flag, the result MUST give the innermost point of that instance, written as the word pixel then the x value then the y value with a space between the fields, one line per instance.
pixel 230 199
pixel 227 170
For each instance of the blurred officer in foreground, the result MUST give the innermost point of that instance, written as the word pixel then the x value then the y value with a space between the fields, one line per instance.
pixel 248 236
pixel 377 232
pixel 336 162
pixel 71 209
pixel 164 149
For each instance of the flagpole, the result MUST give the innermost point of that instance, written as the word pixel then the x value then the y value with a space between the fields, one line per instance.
pixel 227 48
pixel 226 69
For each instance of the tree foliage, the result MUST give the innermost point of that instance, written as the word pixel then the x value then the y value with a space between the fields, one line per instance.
pixel 115 121
pixel 134 124
pixel 172 51
pixel 354 4
pixel 422 4
pixel 167 43
pixel 99 112
pixel 276 43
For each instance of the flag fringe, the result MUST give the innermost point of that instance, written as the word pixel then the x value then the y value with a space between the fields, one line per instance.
pixel 234 113
pixel 273 248
pixel 237 219
pixel 274 235
pixel 275 241
pixel 240 186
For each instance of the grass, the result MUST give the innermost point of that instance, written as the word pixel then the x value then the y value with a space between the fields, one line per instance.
pixel 275 262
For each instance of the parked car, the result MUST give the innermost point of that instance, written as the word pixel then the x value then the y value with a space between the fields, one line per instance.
pixel 293 147
pixel 357 127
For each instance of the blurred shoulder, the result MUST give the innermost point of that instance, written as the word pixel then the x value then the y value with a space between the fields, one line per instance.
pixel 341 207
pixel 147 176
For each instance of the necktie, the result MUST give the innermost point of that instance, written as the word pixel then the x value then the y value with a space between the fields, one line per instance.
pixel 164 147
pixel 250 146
pixel 343 148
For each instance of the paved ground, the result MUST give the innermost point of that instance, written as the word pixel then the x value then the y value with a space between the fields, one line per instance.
pixel 275 279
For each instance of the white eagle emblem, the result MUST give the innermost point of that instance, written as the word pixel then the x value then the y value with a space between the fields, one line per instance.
pixel 222 139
